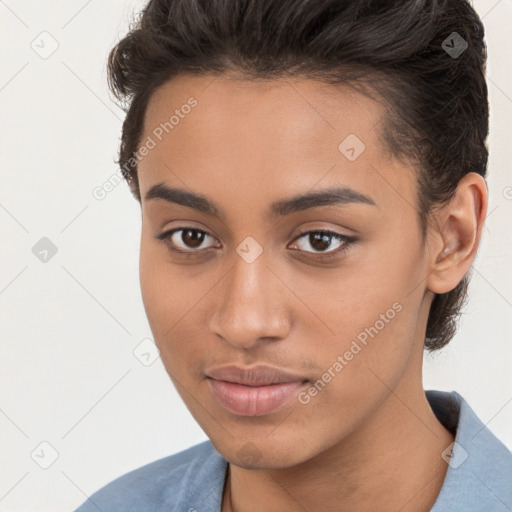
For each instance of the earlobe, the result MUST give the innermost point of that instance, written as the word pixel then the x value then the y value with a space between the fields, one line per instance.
pixel 459 226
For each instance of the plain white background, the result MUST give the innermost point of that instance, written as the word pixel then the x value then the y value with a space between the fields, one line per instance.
pixel 69 327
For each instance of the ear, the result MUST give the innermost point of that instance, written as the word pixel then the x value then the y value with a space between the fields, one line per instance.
pixel 454 233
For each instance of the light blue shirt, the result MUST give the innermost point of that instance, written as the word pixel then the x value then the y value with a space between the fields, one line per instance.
pixel 478 479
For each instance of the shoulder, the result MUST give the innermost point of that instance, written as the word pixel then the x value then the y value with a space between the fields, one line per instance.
pixel 184 481
pixel 479 464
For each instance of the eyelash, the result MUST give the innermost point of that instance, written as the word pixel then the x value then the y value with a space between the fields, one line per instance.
pixel 347 242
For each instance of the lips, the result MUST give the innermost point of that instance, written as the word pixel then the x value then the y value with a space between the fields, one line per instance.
pixel 254 391
pixel 254 376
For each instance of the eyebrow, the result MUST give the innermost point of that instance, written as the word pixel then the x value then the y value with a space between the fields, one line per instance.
pixel 327 197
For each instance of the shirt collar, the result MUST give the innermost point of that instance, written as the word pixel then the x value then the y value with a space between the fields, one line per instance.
pixel 479 474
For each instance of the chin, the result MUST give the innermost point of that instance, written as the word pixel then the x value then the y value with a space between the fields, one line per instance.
pixel 264 452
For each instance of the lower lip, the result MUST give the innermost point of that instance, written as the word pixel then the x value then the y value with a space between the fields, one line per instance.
pixel 253 400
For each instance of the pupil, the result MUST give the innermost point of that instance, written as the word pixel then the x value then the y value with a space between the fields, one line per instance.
pixel 325 241
pixel 191 240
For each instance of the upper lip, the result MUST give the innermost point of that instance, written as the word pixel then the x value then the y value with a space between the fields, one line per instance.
pixel 260 375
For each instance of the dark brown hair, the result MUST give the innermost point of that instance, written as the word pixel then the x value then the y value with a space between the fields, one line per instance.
pixel 403 50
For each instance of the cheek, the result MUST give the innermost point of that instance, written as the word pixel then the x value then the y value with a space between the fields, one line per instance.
pixel 361 364
pixel 377 335
pixel 174 300
pixel 368 319
pixel 155 287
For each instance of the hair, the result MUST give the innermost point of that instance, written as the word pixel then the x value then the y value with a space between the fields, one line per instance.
pixel 437 115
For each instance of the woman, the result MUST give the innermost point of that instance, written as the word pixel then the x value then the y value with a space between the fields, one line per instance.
pixel 311 175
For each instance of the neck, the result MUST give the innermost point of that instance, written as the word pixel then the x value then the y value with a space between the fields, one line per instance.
pixel 392 462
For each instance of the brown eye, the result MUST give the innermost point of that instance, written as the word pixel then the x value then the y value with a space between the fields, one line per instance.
pixel 320 241
pixel 323 242
pixel 186 239
pixel 192 238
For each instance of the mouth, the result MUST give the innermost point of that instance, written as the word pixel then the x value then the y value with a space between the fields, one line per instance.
pixel 254 391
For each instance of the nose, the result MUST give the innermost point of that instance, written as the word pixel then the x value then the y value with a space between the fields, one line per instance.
pixel 252 306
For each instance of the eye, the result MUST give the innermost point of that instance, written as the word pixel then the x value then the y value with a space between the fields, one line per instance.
pixel 322 240
pixel 186 239
pixel 191 241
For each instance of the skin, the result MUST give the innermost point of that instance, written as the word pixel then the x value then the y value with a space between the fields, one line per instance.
pixel 368 440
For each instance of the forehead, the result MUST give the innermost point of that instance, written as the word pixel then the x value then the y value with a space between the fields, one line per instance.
pixel 296 109
pixel 253 136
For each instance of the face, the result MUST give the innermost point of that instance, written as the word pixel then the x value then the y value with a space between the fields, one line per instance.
pixel 281 310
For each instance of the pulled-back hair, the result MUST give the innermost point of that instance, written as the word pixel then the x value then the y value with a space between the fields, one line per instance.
pixel 438 113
